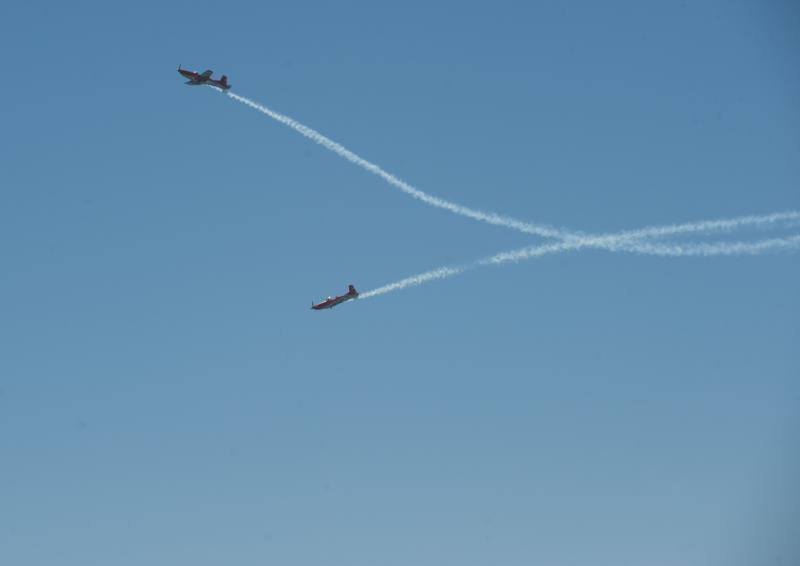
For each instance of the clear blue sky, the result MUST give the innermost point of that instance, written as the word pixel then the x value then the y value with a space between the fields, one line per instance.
pixel 167 397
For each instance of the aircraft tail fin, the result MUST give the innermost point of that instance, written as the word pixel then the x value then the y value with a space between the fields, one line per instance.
pixel 224 81
pixel 352 290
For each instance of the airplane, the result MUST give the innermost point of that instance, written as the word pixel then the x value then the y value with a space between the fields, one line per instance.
pixel 331 302
pixel 204 78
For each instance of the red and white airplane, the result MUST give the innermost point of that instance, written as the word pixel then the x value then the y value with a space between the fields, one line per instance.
pixel 204 78
pixel 331 302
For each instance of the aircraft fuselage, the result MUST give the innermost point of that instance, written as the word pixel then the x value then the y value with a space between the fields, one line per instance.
pixel 196 79
pixel 331 302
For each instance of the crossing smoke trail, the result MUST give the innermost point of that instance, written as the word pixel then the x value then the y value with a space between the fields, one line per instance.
pixel 624 241
pixel 704 249
pixel 667 250
pixel 616 242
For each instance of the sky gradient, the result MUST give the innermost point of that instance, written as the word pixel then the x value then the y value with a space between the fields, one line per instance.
pixel 167 397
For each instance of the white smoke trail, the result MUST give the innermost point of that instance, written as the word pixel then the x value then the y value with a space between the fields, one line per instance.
pixel 705 249
pixel 414 280
pixel 708 249
pixel 667 250
pixel 340 150
pixel 623 241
